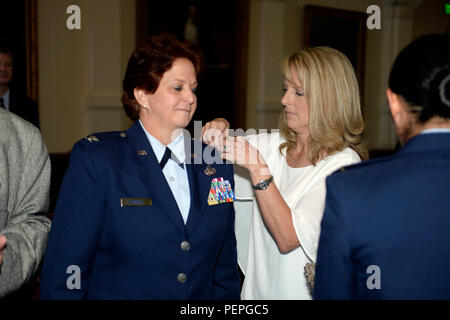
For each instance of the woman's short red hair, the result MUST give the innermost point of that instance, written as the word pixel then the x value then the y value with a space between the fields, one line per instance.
pixel 147 64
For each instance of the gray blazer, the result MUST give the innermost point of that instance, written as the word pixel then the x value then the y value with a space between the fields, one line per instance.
pixel 24 200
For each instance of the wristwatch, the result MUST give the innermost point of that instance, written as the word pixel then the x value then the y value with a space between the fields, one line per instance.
pixel 263 184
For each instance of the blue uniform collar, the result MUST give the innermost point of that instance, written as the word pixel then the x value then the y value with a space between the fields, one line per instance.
pixel 427 142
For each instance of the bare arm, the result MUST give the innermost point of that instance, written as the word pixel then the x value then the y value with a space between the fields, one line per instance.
pixel 2 247
pixel 274 210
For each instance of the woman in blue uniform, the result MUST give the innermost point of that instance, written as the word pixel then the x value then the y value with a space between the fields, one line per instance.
pixel 133 220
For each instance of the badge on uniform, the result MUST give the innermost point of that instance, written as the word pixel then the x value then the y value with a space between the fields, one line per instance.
pixel 209 171
pixel 220 192
pixel 135 202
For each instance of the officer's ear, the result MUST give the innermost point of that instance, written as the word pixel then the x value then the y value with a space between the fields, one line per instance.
pixel 141 97
pixel 396 106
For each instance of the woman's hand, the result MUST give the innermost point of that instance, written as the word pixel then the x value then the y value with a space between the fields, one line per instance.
pixel 214 131
pixel 239 151
pixel 2 247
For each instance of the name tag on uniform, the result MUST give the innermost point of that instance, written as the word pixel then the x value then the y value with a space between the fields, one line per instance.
pixel 135 202
pixel 220 192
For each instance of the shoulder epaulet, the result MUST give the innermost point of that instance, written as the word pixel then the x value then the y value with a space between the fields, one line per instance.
pixel 97 138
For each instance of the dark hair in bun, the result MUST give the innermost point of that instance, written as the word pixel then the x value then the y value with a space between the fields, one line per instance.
pixel 421 75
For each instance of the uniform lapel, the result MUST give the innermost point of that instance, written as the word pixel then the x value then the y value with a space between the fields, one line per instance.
pixel 152 176
pixel 199 185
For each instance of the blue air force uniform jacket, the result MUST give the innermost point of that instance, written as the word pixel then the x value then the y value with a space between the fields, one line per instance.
pixel 386 228
pixel 118 222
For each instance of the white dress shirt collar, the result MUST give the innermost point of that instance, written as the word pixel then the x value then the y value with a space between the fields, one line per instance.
pixel 6 99
pixel 436 130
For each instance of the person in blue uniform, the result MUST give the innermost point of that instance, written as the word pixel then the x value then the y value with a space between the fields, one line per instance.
pixel 132 219
pixel 385 231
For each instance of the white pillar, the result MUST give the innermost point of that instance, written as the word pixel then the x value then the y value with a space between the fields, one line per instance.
pixel 397 28
pixel 266 45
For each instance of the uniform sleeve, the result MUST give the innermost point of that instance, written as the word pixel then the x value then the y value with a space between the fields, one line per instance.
pixel 28 227
pixel 75 231
pixel 333 268
pixel 226 275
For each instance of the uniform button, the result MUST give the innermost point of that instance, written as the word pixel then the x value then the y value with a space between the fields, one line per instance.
pixel 172 179
pixel 181 278
pixel 185 246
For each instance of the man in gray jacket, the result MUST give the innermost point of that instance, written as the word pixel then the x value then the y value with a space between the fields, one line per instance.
pixel 24 201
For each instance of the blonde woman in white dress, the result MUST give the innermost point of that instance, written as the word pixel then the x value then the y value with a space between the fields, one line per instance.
pixel 320 131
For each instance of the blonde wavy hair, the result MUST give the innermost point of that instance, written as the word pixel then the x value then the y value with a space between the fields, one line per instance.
pixel 332 93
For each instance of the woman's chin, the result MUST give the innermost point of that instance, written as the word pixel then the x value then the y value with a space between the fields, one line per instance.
pixel 290 123
pixel 183 123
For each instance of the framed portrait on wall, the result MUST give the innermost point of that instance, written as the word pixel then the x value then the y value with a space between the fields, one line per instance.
pixel 222 36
